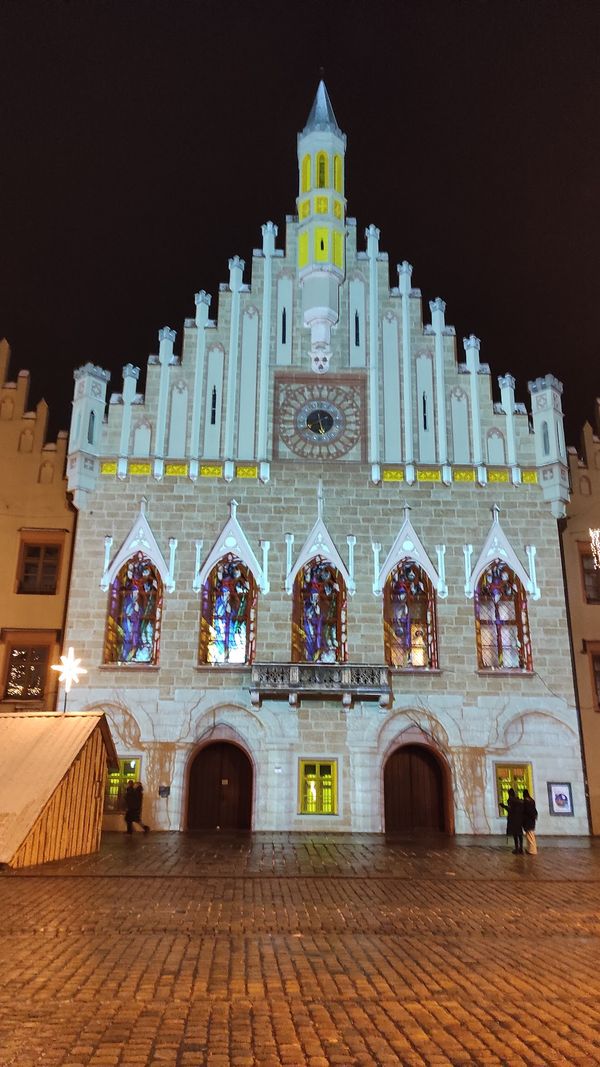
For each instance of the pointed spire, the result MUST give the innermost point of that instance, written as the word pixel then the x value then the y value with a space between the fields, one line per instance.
pixel 321 113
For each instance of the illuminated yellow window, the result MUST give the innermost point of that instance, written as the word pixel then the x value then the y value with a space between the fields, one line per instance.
pixel 304 209
pixel 322 205
pixel 321 245
pixel 322 169
pixel 318 787
pixel 337 174
pixel 338 210
pixel 338 249
pixel 515 776
pixel 116 783
pixel 305 174
pixel 303 250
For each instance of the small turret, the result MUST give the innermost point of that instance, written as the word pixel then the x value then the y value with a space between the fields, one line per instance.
pixel 89 402
pixel 321 224
pixel 550 449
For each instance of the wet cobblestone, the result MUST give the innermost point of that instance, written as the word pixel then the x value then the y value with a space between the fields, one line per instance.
pixel 291 949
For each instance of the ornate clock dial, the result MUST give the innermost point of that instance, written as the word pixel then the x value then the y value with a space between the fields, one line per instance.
pixel 319 420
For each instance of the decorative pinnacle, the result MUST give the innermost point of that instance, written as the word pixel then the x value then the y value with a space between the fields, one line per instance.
pixel 507 382
pixel 471 342
pixel 129 371
pixel 437 305
pixel 167 334
pixel 202 298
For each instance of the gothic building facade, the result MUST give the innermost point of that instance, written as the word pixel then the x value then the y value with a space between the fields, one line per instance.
pixel 317 579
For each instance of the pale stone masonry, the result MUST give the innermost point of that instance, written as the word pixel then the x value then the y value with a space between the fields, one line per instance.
pixel 413 442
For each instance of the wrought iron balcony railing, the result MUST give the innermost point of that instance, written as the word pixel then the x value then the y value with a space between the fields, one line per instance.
pixel 344 681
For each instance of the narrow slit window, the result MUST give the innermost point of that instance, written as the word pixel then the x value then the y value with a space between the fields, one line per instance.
pixel 424 411
pixel 91 428
pixel 283 327
pixel 356 329
pixel 213 407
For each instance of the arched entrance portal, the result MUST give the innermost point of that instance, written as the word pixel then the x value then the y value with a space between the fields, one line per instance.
pixel 220 789
pixel 414 790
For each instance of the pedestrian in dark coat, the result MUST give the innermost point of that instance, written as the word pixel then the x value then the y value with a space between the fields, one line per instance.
pixel 514 821
pixel 529 820
pixel 134 796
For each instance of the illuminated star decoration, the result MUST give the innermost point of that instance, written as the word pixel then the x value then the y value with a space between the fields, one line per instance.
pixel 69 666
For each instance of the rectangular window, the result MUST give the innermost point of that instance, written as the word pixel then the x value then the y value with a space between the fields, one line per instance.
pixel 27 672
pixel 38 568
pixel 517 776
pixel 318 787
pixel 116 784
pixel 590 576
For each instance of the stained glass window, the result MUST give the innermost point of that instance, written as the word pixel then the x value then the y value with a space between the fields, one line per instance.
pixel 134 613
pixel 409 617
pixel 228 624
pixel 501 620
pixel 319 614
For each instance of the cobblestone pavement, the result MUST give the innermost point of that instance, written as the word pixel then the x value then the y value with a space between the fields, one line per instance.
pixel 320 949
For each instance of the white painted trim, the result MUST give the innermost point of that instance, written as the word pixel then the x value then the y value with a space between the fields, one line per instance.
pixel 407 545
pixel 232 539
pixel 141 539
pixel 496 546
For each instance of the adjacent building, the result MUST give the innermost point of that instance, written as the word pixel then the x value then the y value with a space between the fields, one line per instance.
pixel 582 576
pixel 317 580
pixel 36 539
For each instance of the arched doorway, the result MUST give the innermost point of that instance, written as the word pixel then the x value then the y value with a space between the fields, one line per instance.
pixel 414 790
pixel 220 789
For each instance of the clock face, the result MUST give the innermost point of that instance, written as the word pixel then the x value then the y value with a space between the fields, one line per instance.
pixel 320 420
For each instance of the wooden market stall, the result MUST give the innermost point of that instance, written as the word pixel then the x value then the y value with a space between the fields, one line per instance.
pixel 52 778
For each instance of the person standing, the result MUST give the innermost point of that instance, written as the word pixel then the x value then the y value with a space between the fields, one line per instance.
pixel 529 820
pixel 514 821
pixel 134 798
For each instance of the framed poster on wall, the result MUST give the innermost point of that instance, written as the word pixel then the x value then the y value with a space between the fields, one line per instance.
pixel 560 798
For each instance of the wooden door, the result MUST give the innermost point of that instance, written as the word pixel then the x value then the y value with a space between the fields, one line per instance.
pixel 220 789
pixel 413 785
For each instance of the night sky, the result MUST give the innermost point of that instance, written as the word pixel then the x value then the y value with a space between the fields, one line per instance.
pixel 144 143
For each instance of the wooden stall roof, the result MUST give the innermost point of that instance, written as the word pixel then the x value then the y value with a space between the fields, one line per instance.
pixel 36 751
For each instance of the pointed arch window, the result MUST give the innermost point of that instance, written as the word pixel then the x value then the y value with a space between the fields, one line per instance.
pixel 228 622
pixel 321 171
pixel 283 326
pixel 319 614
pixel 134 613
pixel 91 428
pixel 337 174
pixel 501 620
pixel 306 174
pixel 356 329
pixel 409 617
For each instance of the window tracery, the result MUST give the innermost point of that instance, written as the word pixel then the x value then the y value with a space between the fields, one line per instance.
pixel 134 613
pixel 228 622
pixel 409 617
pixel 319 614
pixel 501 619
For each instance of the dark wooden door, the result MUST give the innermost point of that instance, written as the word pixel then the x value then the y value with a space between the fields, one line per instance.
pixel 220 791
pixel 413 787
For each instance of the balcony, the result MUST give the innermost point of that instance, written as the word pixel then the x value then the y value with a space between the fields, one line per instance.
pixel 329 681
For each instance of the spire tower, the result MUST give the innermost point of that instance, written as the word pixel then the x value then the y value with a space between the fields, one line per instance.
pixel 321 216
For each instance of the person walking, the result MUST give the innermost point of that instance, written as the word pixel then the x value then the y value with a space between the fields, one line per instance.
pixel 134 798
pixel 514 821
pixel 529 820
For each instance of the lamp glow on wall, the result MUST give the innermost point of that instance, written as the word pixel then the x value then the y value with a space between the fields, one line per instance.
pixel 595 540
pixel 70 671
